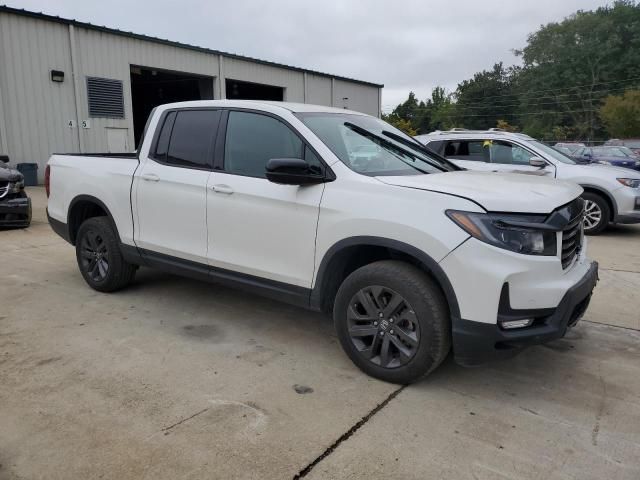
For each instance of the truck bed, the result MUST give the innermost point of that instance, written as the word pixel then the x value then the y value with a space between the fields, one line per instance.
pixel 105 177
pixel 132 155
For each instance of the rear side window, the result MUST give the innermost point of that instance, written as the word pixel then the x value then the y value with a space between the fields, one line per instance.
pixel 435 146
pixel 253 139
pixel 466 150
pixel 186 138
pixel 162 147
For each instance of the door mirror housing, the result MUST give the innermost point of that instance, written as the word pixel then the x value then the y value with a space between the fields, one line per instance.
pixel 293 171
pixel 537 162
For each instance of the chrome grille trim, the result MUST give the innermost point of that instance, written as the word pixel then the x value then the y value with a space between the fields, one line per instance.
pixel 4 189
pixel 572 234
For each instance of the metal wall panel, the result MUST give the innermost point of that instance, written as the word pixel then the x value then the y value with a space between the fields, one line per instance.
pixel 111 56
pixel 292 81
pixel 361 98
pixel 36 111
pixel 318 90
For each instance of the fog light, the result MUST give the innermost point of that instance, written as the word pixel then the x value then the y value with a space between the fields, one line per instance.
pixel 511 324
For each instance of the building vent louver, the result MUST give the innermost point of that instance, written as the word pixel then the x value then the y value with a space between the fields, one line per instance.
pixel 106 98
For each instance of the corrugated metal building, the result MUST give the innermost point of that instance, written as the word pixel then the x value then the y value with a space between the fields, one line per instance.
pixel 68 86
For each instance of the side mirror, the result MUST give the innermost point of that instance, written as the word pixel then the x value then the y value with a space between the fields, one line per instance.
pixel 292 171
pixel 4 158
pixel 537 162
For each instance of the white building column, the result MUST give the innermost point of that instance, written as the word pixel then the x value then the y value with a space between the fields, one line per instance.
pixel 222 82
pixel 75 75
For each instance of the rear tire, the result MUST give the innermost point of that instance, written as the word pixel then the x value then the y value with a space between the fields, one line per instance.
pixel 99 258
pixel 597 213
pixel 392 321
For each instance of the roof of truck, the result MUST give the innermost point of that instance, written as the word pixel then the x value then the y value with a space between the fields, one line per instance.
pixel 291 106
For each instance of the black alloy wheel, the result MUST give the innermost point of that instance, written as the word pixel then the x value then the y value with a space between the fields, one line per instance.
pixel 392 321
pixel 94 256
pixel 383 326
pixel 99 256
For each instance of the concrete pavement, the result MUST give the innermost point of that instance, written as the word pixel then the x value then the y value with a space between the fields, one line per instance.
pixel 173 378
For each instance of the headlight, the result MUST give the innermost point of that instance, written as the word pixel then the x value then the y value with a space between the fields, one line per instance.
pixel 630 182
pixel 16 187
pixel 492 229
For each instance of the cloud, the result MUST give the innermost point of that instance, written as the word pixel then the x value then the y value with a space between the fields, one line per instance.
pixel 411 45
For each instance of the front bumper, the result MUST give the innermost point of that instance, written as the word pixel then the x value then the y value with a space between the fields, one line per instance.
pixel 15 212
pixel 475 343
pixel 628 205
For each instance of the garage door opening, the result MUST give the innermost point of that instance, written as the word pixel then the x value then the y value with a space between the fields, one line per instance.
pixel 151 87
pixel 237 90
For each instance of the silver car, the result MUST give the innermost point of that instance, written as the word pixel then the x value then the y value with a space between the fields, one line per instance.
pixel 611 194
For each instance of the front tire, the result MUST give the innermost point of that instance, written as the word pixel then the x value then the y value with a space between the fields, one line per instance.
pixel 596 213
pixel 392 321
pixel 99 258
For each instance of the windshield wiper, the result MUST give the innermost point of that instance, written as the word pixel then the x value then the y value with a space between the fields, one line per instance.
pixel 421 148
pixel 366 133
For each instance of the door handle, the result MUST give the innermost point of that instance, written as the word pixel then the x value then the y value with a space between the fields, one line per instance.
pixel 150 177
pixel 219 188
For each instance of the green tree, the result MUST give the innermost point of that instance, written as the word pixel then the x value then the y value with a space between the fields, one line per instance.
pixel 487 97
pixel 506 126
pixel 441 111
pixel 409 110
pixel 621 114
pixel 400 123
pixel 569 67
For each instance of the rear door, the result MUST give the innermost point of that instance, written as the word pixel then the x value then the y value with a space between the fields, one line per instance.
pixel 491 155
pixel 258 227
pixel 467 153
pixel 170 187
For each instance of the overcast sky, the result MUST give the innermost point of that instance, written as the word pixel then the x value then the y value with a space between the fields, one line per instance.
pixel 406 45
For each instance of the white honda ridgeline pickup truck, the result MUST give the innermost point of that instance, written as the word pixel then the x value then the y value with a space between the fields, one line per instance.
pixel 334 211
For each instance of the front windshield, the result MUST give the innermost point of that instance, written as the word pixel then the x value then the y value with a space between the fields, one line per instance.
pixel 611 152
pixel 627 151
pixel 372 147
pixel 564 150
pixel 552 152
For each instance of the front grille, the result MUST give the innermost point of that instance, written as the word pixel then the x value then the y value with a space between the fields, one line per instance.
pixel 572 233
pixel 4 189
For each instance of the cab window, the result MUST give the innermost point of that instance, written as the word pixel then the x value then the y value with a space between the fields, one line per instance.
pixel 186 138
pixel 253 139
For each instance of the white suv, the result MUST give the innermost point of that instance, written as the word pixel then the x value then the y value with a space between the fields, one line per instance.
pixel 612 194
pixel 335 211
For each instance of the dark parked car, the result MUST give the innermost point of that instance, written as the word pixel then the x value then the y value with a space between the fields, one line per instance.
pixel 15 205
pixel 570 146
pixel 631 143
pixel 616 156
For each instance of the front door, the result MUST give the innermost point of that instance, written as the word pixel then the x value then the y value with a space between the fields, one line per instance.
pixel 491 155
pixel 170 186
pixel 257 227
pixel 505 156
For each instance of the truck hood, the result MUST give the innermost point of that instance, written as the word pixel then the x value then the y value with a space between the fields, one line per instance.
pixel 606 171
pixel 496 192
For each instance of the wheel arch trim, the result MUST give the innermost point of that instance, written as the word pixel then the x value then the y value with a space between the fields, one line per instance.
pixel 612 201
pixel 96 201
pixel 427 262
